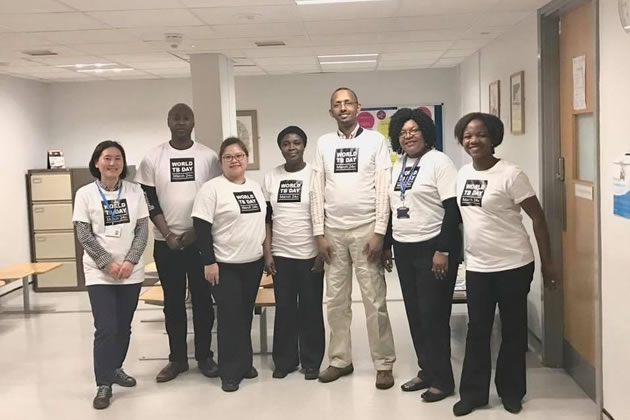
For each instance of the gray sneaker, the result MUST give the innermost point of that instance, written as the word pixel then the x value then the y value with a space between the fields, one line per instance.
pixel 103 395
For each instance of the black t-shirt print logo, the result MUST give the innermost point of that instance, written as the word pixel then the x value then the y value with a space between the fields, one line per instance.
pixel 182 169
pixel 115 213
pixel 290 191
pixel 414 175
pixel 247 202
pixel 347 160
pixel 473 192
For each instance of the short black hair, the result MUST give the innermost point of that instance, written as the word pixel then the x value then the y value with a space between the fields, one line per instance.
pixel 229 142
pixel 292 129
pixel 98 151
pixel 493 124
pixel 180 105
pixel 424 122
pixel 356 98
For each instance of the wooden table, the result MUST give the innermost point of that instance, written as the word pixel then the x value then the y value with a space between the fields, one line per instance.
pixel 24 271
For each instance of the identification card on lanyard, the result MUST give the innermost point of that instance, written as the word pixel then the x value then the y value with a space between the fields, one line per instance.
pixel 402 212
pixel 110 231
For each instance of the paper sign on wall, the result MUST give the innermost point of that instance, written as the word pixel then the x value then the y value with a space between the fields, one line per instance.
pixel 579 83
pixel 621 187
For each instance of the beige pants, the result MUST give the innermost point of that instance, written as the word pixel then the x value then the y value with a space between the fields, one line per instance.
pixel 348 248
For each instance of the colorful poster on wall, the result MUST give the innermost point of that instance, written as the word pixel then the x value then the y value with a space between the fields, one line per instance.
pixel 621 187
pixel 377 118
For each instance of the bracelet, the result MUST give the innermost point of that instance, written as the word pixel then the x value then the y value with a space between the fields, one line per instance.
pixel 445 253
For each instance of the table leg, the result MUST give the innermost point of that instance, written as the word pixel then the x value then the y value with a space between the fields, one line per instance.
pixel 263 331
pixel 26 294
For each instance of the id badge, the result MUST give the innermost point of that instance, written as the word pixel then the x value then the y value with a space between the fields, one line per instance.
pixel 402 212
pixel 113 231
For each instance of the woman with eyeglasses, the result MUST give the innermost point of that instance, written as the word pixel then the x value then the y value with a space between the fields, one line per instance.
pixel 229 221
pixel 427 244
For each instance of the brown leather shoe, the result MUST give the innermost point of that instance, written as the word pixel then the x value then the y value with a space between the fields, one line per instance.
pixel 333 373
pixel 384 379
pixel 170 371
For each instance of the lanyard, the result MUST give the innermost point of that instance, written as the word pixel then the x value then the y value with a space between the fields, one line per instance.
pixel 110 212
pixel 404 180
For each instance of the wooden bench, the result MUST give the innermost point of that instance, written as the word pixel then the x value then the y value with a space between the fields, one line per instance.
pixel 24 271
pixel 264 299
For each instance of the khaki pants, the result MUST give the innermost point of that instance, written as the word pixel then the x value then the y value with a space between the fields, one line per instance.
pixel 348 245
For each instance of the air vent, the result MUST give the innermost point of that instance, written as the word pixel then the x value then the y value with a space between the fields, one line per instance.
pixel 39 53
pixel 270 43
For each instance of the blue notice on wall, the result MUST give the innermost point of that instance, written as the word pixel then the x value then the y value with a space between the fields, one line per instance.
pixel 621 187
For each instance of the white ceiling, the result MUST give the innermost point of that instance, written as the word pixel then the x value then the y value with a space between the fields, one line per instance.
pixel 407 34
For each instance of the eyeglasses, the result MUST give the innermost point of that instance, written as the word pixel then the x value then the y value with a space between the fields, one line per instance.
pixel 410 133
pixel 345 104
pixel 229 158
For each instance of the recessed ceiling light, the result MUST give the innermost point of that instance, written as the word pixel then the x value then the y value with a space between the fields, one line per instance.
pixel 96 67
pixel 348 55
pixel 112 70
pixel 348 62
pixel 312 2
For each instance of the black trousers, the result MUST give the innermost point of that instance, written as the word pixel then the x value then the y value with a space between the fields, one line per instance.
pixel 484 291
pixel 298 331
pixel 112 308
pixel 235 296
pixel 174 267
pixel 428 303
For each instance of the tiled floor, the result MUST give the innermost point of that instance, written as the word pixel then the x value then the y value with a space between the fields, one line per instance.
pixel 46 373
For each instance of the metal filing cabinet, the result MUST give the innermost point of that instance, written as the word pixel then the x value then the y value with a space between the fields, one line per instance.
pixel 51 195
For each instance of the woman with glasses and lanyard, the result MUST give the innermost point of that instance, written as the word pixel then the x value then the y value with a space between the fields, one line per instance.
pixel 229 220
pixel 427 244
pixel 111 219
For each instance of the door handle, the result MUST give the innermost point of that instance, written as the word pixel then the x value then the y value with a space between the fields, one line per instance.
pixel 560 170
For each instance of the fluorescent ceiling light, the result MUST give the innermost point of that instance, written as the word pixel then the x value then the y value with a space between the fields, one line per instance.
pixel 96 67
pixel 113 70
pixel 348 62
pixel 312 2
pixel 348 55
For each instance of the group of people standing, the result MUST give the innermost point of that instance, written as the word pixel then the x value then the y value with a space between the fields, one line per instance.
pixel 217 231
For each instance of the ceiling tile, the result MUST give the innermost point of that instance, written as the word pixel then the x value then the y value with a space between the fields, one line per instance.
pixel 143 58
pixel 139 18
pixel 456 53
pixel 398 66
pixel 178 65
pixel 469 43
pixel 37 22
pixel 170 71
pixel 520 4
pixel 87 37
pixel 249 14
pixel 21 41
pixel 422 36
pixel 425 23
pixel 408 62
pixel 440 7
pixel 248 71
pixel 32 6
pixel 260 30
pixel 120 48
pixel 348 11
pixel 348 49
pixel 331 27
pixel 158 33
pixel 91 5
pixel 417 46
pixel 448 62
pixel 412 55
pixel 503 18
pixel 282 61
pixel 277 52
pixel 69 60
pixel 235 3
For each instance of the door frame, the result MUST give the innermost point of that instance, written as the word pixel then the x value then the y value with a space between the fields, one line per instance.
pixel 553 188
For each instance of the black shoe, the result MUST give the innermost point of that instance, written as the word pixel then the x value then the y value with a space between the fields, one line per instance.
pixel 208 367
pixel 171 370
pixel 430 397
pixel 462 408
pixel 251 374
pixel 122 379
pixel 281 373
pixel 513 406
pixel 229 386
pixel 411 386
pixel 103 395
pixel 311 374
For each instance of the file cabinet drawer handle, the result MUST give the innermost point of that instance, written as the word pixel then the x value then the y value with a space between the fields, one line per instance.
pixel 36 180
pixel 41 239
pixel 39 209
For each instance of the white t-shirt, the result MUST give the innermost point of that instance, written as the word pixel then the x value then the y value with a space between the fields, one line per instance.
pixel 495 237
pixel 113 228
pixel 177 176
pixel 432 181
pixel 292 230
pixel 350 167
pixel 237 213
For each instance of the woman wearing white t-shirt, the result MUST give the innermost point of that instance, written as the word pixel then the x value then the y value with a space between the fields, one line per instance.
pixel 290 256
pixel 229 221
pixel 111 222
pixel 499 263
pixel 427 246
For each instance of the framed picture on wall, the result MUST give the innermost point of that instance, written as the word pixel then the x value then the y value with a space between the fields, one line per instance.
pixel 247 131
pixel 494 98
pixel 517 103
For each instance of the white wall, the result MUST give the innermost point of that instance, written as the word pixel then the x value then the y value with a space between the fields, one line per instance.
pixel 24 111
pixel 614 142
pixel 134 112
pixel 512 52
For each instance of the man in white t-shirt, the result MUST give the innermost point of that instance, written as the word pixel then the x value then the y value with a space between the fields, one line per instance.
pixel 171 174
pixel 350 210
